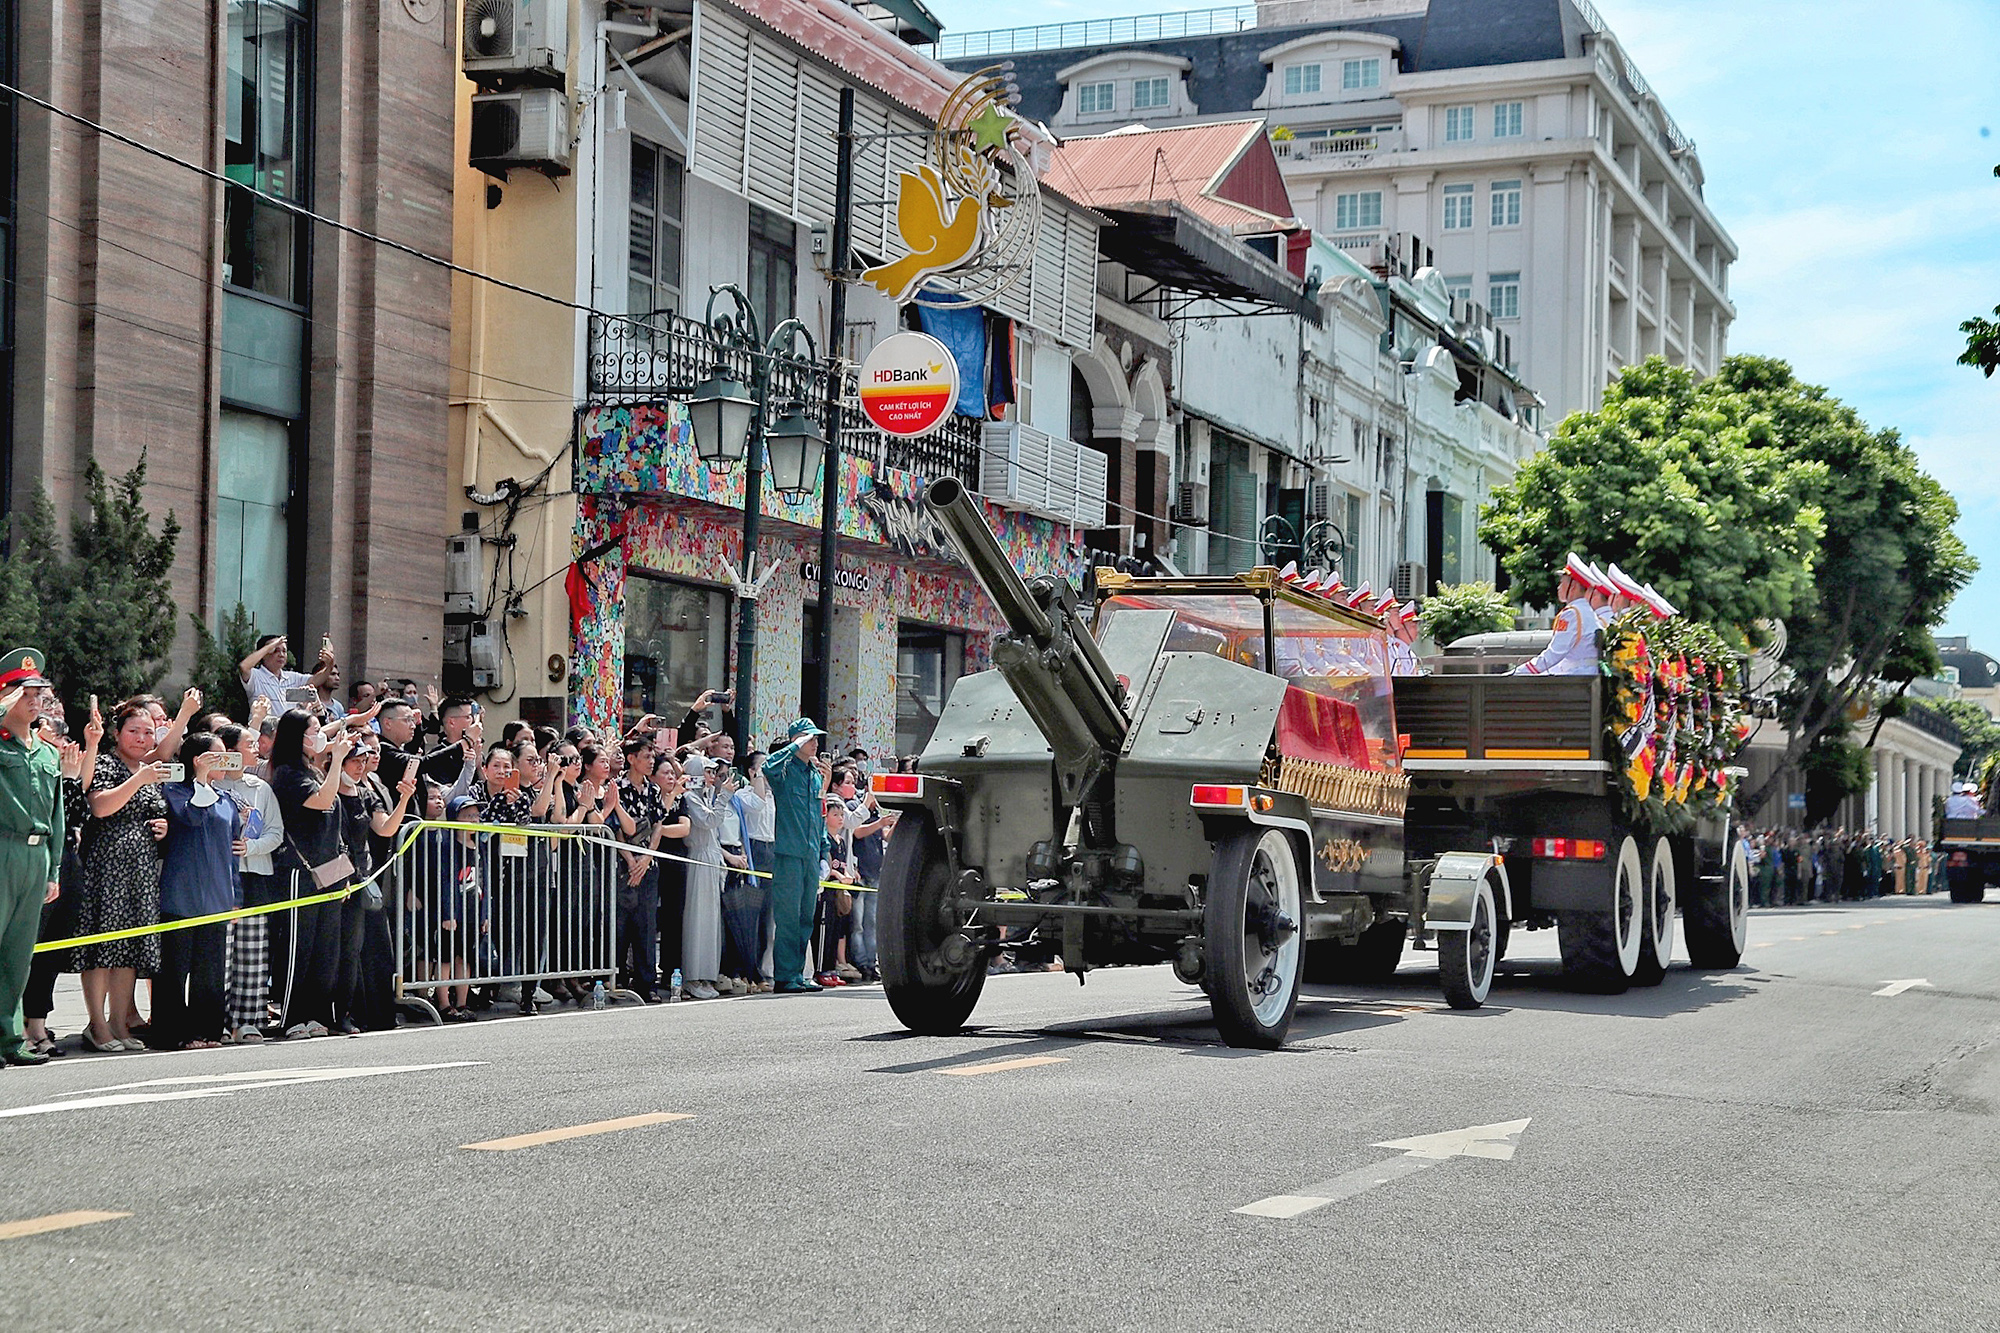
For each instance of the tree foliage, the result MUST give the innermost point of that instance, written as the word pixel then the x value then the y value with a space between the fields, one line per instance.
pixel 1458 609
pixel 1982 339
pixel 1675 480
pixel 1745 496
pixel 1978 733
pixel 216 656
pixel 102 611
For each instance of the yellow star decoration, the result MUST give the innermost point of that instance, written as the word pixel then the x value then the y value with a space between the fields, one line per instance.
pixel 989 128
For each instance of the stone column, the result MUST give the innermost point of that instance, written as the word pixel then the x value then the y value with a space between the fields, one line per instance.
pixel 1913 810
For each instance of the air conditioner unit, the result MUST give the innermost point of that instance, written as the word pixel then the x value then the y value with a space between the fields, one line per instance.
pixel 512 43
pixel 528 127
pixel 1319 501
pixel 1412 581
pixel 1190 508
pixel 465 565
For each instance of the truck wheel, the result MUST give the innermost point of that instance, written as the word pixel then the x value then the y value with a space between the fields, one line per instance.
pixel 1466 957
pixel 1369 961
pixel 1656 935
pixel 1600 950
pixel 1968 883
pixel 1251 933
pixel 1716 917
pixel 927 993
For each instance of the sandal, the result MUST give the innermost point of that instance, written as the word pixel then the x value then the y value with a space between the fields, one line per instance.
pixel 248 1036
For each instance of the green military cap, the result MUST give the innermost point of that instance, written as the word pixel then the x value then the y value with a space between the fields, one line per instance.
pixel 23 666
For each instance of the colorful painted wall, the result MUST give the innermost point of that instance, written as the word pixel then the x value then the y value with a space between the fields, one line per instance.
pixel 642 485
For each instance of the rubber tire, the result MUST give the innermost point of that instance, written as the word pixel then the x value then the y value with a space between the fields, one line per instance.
pixel 1371 960
pixel 1656 934
pixel 1466 957
pixel 1600 950
pixel 1223 942
pixel 1968 884
pixel 1715 917
pixel 916 875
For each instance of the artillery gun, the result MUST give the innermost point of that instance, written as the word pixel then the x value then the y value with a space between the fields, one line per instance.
pixel 1206 773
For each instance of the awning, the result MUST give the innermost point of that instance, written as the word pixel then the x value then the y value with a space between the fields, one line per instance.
pixel 1162 240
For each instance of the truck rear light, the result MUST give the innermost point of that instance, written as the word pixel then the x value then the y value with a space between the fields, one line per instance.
pixel 1211 797
pixel 897 784
pixel 1567 849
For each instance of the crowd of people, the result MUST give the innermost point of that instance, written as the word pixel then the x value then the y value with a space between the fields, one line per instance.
pixel 732 875
pixel 1791 867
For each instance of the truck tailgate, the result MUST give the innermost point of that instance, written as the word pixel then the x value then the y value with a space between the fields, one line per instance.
pixel 1487 720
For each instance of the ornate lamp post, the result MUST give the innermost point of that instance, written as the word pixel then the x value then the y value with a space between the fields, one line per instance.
pixel 730 425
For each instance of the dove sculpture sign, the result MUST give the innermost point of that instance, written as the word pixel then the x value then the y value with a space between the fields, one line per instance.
pixel 968 214
pixel 908 385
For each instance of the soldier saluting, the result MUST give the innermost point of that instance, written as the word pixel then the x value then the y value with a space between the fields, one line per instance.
pixel 31 838
pixel 1572 650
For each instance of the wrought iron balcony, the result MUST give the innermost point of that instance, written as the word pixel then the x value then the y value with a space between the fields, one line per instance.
pixel 649 358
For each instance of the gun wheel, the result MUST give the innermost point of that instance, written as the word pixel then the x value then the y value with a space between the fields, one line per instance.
pixel 1252 935
pixel 1466 957
pixel 924 990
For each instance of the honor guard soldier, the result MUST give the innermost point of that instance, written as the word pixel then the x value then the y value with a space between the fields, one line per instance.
pixel 1625 590
pixel 1402 622
pixel 1572 650
pixel 31 838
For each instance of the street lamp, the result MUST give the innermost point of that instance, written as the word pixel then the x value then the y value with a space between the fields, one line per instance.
pixel 794 443
pixel 729 424
pixel 720 410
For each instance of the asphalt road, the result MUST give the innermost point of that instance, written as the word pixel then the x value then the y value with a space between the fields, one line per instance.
pixel 1780 1147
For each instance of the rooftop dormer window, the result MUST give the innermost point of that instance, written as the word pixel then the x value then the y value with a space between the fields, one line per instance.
pixel 1365 72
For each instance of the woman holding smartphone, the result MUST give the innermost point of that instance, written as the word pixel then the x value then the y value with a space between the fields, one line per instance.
pixel 305 942
pixel 198 877
pixel 120 884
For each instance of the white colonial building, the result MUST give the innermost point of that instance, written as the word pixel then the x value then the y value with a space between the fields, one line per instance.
pixel 1515 137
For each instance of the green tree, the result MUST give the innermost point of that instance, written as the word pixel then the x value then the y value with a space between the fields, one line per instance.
pixel 216 656
pixel 26 572
pixel 107 608
pixel 1672 479
pixel 1978 733
pixel 1458 609
pixel 1745 496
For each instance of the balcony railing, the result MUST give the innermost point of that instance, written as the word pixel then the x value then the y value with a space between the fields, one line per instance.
pixel 1309 148
pixel 664 356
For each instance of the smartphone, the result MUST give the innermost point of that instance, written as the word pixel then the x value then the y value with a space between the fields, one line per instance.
pixel 93 703
pixel 231 762
pixel 176 772
pixel 301 694
pixel 512 782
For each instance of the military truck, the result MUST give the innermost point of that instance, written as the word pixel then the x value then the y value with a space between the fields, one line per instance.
pixel 1201 771
pixel 1971 849
pixel 1526 765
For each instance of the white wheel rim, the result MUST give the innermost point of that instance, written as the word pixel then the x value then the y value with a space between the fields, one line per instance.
pixel 1271 975
pixel 1479 944
pixel 1628 892
pixel 1662 902
pixel 1739 896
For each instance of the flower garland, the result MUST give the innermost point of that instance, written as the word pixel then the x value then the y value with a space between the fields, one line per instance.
pixel 1674 717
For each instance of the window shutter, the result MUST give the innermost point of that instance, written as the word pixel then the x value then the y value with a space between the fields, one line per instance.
pixel 723 59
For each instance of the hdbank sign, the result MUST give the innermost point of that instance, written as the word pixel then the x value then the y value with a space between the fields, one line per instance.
pixel 908 385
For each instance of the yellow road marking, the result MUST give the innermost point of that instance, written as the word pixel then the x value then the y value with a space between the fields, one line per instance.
pixel 575 1131
pixel 999 1066
pixel 1829 932
pixel 35 1226
pixel 1763 944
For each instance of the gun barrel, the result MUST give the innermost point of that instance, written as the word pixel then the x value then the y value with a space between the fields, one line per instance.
pixel 947 498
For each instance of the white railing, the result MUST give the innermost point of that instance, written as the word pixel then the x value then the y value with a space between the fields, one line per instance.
pixel 1325 145
pixel 1358 240
pixel 1153 27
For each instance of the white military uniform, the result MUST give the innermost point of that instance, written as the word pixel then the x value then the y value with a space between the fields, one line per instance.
pixel 1573 649
pixel 1403 659
pixel 1961 805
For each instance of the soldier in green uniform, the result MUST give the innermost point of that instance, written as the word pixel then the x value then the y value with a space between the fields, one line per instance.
pixel 31 838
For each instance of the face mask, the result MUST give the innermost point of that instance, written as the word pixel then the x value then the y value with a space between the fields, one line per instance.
pixel 314 742
pixel 160 735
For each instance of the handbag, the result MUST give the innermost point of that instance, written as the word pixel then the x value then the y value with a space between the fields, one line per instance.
pixel 327 874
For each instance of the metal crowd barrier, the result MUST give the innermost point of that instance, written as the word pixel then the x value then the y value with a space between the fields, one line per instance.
pixel 488 904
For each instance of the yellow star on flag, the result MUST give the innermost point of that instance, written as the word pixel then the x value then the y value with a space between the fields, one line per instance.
pixel 989 128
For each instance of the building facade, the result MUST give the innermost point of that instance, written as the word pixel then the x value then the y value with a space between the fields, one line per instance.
pixel 595 582
pixel 284 380
pixel 1516 138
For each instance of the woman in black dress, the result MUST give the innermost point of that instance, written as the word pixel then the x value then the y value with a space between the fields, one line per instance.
pixel 120 883
pixel 305 942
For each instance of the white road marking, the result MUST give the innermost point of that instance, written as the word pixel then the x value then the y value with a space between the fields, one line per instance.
pixel 1898 987
pixel 1494 1142
pixel 215 1085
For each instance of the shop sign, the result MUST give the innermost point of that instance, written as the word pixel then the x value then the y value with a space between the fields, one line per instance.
pixel 854 580
pixel 908 385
